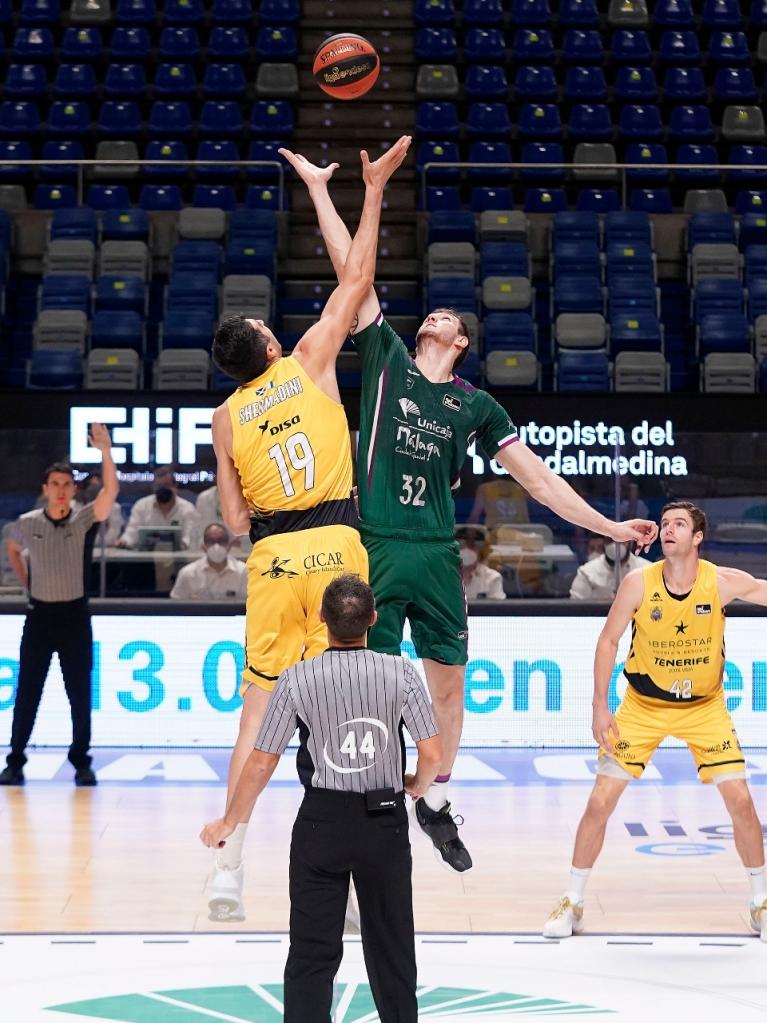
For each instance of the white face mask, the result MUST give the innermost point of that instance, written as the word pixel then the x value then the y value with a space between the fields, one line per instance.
pixel 469 557
pixel 217 553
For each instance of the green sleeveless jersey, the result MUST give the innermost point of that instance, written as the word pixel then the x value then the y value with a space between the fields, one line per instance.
pixel 414 435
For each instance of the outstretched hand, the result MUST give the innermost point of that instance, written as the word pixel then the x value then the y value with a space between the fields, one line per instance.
pixel 376 174
pixel 309 173
pixel 641 532
pixel 99 437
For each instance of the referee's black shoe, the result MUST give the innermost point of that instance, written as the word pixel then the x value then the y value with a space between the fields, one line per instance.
pixel 440 827
pixel 12 776
pixel 85 776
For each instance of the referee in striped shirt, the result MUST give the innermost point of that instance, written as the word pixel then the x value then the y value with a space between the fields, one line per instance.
pixel 58 620
pixel 349 705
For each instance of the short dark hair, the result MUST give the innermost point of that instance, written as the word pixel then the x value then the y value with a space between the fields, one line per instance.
pixel 239 349
pixel 348 606
pixel 462 329
pixel 698 516
pixel 216 525
pixel 64 467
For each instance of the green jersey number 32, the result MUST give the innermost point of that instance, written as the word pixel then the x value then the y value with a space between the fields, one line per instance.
pixel 413 491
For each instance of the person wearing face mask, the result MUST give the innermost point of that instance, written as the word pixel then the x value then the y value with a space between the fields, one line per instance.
pixel 163 507
pixel 217 575
pixel 480 582
pixel 598 580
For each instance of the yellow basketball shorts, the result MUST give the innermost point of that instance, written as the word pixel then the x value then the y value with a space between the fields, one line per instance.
pixel 287 575
pixel 706 727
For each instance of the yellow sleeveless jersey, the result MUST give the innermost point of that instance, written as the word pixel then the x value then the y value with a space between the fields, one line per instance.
pixel 290 441
pixel 677 646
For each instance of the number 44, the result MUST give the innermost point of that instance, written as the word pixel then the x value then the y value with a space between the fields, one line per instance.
pixel 366 747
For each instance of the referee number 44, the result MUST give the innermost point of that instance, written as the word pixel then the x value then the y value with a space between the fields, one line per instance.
pixel 682 688
pixel 413 491
pixel 352 750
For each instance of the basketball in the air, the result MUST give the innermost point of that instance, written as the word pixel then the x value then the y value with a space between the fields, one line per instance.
pixel 346 66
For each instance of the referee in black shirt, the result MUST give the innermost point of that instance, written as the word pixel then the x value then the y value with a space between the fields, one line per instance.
pixel 349 706
pixel 58 620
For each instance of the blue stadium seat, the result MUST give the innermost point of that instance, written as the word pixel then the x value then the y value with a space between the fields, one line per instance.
pixel 75 81
pixel 717 295
pixel 119 120
pixel 272 119
pixel 540 153
pixel 486 45
pixel 674 14
pixel 51 370
pixel 235 12
pixel 536 13
pixel 763 376
pixel 183 12
pixel 647 154
pixel 170 120
pixel 179 43
pixel 722 14
pixel 438 152
pixel 279 12
pixel 436 121
pixel 598 200
pixel 539 121
pixel 31 44
pixel 81 44
pixel 684 85
pixel 60 150
pixel 640 122
pixel 545 200
pixel 14 151
pixel 590 122
pixel 228 43
pixel 693 152
pixel 489 153
pixel 160 197
pixel 514 331
pixel 19 120
pixel 197 256
pixel 735 85
pixel 625 228
pixel 691 124
pixel 452 226
pixel 577 258
pixel 65 291
pixel 535 84
pixel 753 230
pixel 582 46
pixel 629 257
pixel 724 332
pixel 40 12
pixel 220 197
pixel 224 152
pixel 482 12
pixel 172 153
pixel 136 12
pixel 130 44
pixel 631 46
pixel 69 119
pixel 175 81
pixel 120 293
pixel 483 197
pixel 25 82
pixel 74 223
pixel 729 48
pixel 130 224
pixel 187 329
pixel 577 295
pixel 750 201
pixel 451 292
pixel 503 259
pixel 221 119
pixel 434 12
pixel 125 81
pixel 224 81
pixel 252 256
pixel 573 226
pixel 485 82
pixel 443 198
pixel 123 331
pixel 585 85
pixel 262 149
pixel 747 157
pixel 583 371
pixel 532 45
pixel 759 14
pixel 193 290
pixel 711 229
pixel 680 49
pixel 636 85
pixel 757 298
pixel 579 13
pixel 636 332
pixel 276 43
pixel 108 197
pixel 631 294
pixel 488 121
pixel 435 45
pixel 755 265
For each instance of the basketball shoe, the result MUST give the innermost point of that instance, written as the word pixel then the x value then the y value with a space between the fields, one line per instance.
pixel 566 919
pixel 442 829
pixel 759 919
pixel 225 894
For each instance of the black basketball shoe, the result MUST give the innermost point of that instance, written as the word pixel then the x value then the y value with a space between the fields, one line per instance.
pixel 440 827
pixel 11 776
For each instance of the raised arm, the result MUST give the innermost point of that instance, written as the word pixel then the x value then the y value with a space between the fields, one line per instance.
pixel 735 584
pixel 106 497
pixel 627 600
pixel 547 488
pixel 234 508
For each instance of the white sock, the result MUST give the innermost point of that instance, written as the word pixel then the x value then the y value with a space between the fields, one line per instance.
pixel 577 883
pixel 758 881
pixel 230 857
pixel 436 795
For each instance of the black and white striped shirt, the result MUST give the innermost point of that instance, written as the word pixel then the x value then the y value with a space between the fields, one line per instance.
pixel 56 552
pixel 349 706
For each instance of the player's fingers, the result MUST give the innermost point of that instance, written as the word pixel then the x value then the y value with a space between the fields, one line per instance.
pixel 364 157
pixel 614 729
pixel 221 844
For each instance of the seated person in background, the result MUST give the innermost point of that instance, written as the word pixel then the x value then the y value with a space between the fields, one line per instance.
pixel 501 501
pixel 161 508
pixel 217 575
pixel 480 582
pixel 596 580
pixel 208 505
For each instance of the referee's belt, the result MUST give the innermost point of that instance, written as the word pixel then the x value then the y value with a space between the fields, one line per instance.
pixel 342 512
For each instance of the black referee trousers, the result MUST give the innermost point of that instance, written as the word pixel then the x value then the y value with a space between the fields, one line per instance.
pixel 335 838
pixel 62 627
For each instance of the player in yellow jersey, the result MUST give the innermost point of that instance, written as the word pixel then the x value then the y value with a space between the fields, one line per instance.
pixel 674 669
pixel 284 468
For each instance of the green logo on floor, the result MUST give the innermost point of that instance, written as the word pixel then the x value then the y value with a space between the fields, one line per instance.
pixel 263 1004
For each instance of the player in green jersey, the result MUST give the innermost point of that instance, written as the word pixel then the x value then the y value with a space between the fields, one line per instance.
pixel 417 420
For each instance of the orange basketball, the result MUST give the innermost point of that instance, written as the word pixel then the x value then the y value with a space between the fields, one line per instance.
pixel 346 66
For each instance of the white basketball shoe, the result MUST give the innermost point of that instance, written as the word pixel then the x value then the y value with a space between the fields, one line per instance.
pixel 759 919
pixel 225 894
pixel 566 919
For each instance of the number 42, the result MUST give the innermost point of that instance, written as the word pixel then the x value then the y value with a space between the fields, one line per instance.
pixel 682 689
